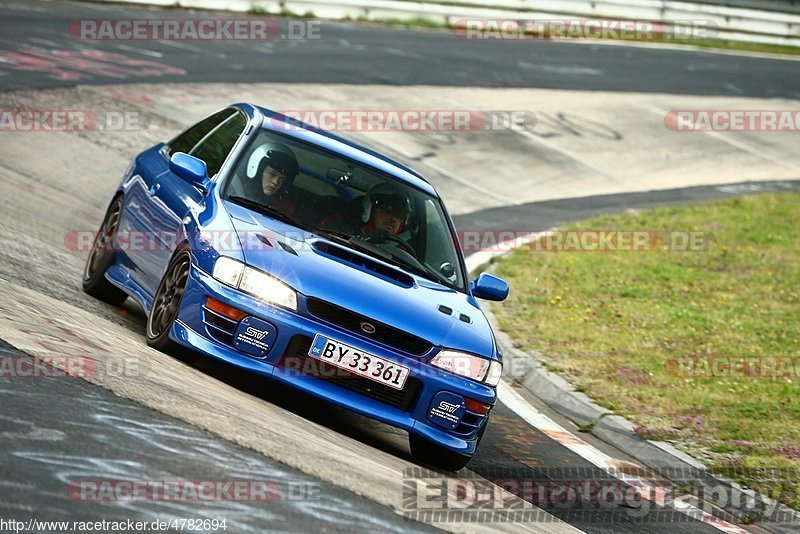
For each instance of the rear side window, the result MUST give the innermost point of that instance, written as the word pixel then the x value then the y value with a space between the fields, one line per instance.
pixel 217 144
pixel 186 141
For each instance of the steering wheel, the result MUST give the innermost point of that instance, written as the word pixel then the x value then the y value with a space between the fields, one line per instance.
pixel 406 247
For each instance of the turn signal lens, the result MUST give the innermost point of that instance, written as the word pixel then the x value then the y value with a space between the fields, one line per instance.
pixel 478 407
pixel 223 309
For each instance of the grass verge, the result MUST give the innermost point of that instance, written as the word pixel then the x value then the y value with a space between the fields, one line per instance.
pixel 738 46
pixel 626 326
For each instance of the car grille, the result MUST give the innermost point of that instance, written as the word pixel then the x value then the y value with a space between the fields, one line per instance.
pixel 351 322
pixel 219 327
pixel 300 345
pixel 470 423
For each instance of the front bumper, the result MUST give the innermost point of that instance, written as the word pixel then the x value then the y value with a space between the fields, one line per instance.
pixel 407 410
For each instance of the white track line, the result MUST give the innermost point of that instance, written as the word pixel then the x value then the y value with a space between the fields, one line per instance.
pixel 543 423
pixel 758 152
pixel 483 257
pixel 144 51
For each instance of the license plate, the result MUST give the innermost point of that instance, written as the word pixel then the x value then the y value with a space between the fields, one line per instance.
pixel 358 362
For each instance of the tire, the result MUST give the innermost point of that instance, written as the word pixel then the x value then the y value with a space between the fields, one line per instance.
pixel 102 257
pixel 166 304
pixel 430 453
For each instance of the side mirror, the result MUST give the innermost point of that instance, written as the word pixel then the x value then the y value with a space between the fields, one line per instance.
pixel 190 169
pixel 447 270
pixel 489 287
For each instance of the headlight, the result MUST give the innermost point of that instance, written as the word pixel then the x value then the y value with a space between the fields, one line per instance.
pixel 470 366
pixel 228 271
pixel 267 288
pixel 256 283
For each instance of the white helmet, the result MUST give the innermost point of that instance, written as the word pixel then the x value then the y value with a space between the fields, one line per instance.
pixel 278 156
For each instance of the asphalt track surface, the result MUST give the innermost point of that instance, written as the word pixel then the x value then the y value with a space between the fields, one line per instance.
pixel 369 54
pixel 56 429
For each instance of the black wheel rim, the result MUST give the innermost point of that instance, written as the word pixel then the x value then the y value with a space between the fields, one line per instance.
pixel 168 296
pixel 103 244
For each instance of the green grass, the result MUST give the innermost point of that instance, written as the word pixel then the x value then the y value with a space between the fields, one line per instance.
pixel 738 46
pixel 284 12
pixel 414 22
pixel 611 322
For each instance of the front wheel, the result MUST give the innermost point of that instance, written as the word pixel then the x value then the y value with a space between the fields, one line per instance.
pixel 166 303
pixel 430 453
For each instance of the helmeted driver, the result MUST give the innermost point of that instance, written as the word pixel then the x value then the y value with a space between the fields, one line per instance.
pixel 271 169
pixel 385 209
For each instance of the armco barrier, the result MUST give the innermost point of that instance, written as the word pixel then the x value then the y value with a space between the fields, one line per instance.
pixel 737 23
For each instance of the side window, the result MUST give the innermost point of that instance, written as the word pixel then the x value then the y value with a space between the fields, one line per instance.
pixel 186 141
pixel 217 144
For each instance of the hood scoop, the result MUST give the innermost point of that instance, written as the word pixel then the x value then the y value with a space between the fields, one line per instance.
pixel 363 263
pixel 264 240
pixel 281 244
pixel 287 248
pixel 449 311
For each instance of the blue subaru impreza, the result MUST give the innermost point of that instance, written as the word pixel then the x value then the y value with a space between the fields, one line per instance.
pixel 296 254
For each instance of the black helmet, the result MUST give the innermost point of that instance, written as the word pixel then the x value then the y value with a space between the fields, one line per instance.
pixel 278 156
pixel 387 198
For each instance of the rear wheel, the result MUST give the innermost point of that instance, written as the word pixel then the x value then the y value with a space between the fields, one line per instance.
pixel 166 303
pixel 102 257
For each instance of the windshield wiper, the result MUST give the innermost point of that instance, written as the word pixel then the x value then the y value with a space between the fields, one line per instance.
pixel 355 242
pixel 419 268
pixel 374 249
pixel 370 248
pixel 265 209
pixel 335 234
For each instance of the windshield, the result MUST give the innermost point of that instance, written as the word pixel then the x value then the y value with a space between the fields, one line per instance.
pixel 347 202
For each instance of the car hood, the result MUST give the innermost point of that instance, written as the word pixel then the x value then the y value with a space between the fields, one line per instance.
pixel 330 271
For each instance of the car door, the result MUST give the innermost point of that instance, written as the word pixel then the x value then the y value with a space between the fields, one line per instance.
pixel 170 198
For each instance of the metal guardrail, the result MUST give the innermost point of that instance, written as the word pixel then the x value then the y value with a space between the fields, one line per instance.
pixel 714 18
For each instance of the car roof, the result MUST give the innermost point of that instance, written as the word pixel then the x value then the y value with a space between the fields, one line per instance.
pixel 310 134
